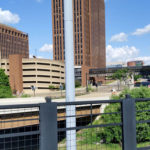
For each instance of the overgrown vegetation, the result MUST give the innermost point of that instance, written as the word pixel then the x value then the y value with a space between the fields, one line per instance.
pixel 113 135
pixel 5 90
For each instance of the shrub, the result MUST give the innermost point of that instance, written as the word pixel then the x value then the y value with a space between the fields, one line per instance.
pixel 52 87
pixel 113 134
pixel 77 84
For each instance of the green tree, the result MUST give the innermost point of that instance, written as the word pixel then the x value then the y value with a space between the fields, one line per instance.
pixel 120 75
pixel 113 134
pixel 77 84
pixel 5 90
pixel 136 77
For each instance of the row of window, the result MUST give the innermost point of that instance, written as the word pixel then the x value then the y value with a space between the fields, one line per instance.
pixel 13 33
pixel 47 70
pixel 43 76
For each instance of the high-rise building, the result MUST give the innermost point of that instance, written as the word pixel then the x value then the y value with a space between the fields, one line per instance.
pixel 89 32
pixel 13 41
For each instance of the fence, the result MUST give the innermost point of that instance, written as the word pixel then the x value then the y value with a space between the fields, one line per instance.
pixel 43 126
pixel 90 127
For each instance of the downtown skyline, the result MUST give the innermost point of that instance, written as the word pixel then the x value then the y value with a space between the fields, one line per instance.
pixel 127 27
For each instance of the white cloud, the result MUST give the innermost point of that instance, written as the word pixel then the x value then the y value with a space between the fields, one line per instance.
pixel 125 54
pixel 121 37
pixel 141 31
pixel 8 17
pixel 46 48
pixel 41 57
pixel 30 56
pixel 117 54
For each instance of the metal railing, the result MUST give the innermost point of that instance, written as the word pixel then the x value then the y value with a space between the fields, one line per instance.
pixel 24 127
pixel 16 130
pixel 43 126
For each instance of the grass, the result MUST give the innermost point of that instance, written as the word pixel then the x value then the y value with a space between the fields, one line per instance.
pixel 109 81
pixel 145 144
pixel 95 146
pixel 25 96
pixel 88 139
pixel 99 146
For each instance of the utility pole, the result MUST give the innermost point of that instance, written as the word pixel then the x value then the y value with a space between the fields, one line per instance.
pixel 70 81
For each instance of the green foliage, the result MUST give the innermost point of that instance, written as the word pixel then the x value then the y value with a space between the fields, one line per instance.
pixel 136 77
pixel 25 96
pixel 113 134
pixel 120 74
pixel 90 89
pixel 77 84
pixel 52 87
pixel 5 90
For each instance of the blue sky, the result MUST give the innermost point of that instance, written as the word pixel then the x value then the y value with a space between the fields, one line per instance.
pixel 127 27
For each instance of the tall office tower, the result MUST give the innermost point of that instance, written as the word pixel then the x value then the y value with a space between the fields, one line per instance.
pixel 13 41
pixel 89 32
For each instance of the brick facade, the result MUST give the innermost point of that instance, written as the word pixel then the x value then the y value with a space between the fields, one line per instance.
pixel 89 32
pixel 13 41
pixel 15 73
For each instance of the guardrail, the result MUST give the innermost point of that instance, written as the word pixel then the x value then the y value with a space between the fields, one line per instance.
pixel 48 129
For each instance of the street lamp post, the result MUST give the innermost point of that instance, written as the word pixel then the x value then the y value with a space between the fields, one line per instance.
pixel 70 82
pixel 33 88
pixel 86 84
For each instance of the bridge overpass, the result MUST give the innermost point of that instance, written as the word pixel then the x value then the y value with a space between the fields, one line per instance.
pixel 102 72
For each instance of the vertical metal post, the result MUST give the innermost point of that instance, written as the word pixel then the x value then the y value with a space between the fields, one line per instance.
pixel 129 124
pixel 48 126
pixel 86 84
pixel 70 81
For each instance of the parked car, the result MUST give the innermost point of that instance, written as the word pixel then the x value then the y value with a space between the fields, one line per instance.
pixel 148 80
pixel 138 84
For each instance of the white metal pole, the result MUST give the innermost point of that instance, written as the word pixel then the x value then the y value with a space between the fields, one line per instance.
pixel 70 81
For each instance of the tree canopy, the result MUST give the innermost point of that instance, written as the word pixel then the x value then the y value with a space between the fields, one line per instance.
pixel 5 90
